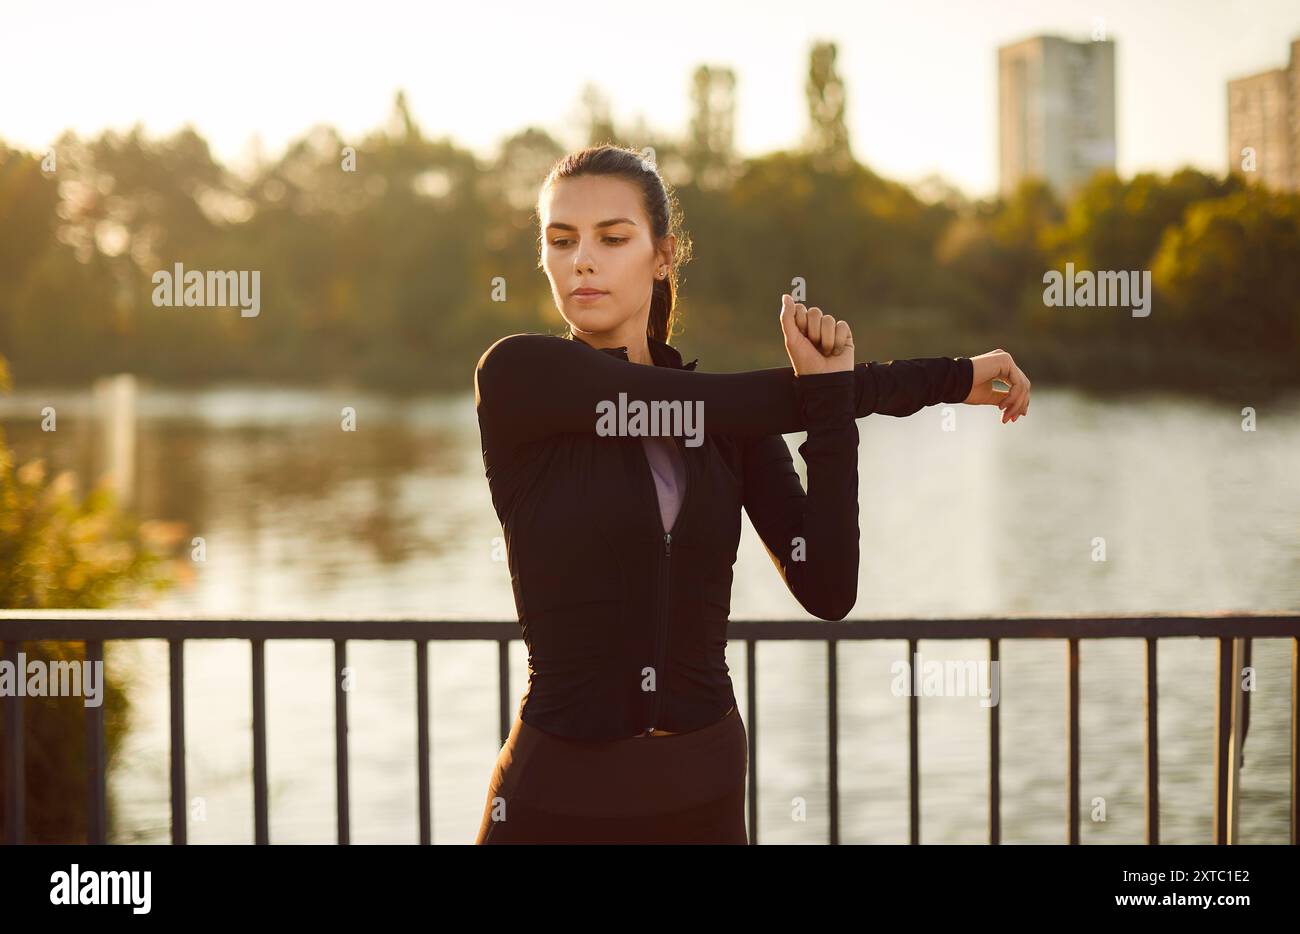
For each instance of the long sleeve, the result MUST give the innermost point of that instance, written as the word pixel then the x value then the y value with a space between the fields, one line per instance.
pixel 528 386
pixel 902 387
pixel 811 537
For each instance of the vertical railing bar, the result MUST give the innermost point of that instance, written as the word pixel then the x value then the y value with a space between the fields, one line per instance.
pixel 751 715
pixel 913 749
pixel 1295 731
pixel 833 739
pixel 1238 721
pixel 995 750
pixel 1072 720
pixel 15 757
pixel 422 739
pixel 341 740
pixel 176 679
pixel 1222 737
pixel 504 721
pixel 1243 729
pixel 96 763
pixel 1245 696
pixel 1153 743
pixel 261 817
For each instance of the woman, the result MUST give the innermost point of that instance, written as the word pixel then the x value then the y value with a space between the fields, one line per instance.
pixel 619 474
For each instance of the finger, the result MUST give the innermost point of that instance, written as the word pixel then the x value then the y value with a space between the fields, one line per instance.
pixel 828 334
pixel 814 325
pixel 825 335
pixel 1010 403
pixel 787 320
pixel 1004 396
pixel 843 338
pixel 801 318
pixel 1014 408
pixel 1017 408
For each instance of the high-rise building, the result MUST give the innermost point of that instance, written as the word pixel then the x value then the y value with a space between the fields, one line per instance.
pixel 1056 111
pixel 1264 125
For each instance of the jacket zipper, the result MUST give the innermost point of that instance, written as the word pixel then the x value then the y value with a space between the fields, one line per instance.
pixel 661 636
pixel 665 579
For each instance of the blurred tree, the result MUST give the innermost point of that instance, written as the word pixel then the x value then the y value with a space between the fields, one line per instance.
pixel 1231 273
pixel 1115 224
pixel 828 134
pixel 993 256
pixel 595 107
pixel 380 258
pixel 521 166
pixel 28 199
pixel 59 551
pixel 710 146
pixel 401 125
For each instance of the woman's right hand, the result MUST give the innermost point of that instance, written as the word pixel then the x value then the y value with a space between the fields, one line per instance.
pixel 998 365
pixel 830 350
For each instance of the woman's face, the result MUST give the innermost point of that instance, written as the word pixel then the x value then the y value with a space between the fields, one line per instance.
pixel 596 235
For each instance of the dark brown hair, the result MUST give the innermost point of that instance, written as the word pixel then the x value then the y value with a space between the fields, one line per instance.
pixel 660 206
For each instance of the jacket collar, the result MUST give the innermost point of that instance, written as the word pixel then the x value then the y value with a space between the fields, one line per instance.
pixel 661 353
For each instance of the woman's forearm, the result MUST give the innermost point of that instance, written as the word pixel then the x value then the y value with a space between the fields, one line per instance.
pixel 902 387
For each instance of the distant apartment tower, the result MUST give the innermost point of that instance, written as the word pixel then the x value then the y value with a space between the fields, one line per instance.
pixel 1056 111
pixel 1264 117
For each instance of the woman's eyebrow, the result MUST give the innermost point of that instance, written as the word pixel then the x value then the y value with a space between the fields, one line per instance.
pixel 609 223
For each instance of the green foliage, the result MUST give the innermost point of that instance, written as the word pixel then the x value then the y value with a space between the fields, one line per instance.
pixel 1223 261
pixel 993 255
pixel 1231 272
pixel 390 275
pixel 1117 224
pixel 60 551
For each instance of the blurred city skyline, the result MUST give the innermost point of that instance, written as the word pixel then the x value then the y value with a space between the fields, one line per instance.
pixel 913 90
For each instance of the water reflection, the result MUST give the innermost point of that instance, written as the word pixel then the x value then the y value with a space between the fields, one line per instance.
pixel 299 517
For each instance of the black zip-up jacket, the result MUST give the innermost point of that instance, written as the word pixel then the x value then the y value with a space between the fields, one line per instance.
pixel 625 623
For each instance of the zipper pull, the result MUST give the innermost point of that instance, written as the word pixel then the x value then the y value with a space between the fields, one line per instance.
pixel 668 543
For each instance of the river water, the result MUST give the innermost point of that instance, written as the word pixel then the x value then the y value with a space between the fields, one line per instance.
pixel 299 518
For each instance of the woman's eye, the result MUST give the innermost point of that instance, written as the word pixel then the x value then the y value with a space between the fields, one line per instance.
pixel 615 240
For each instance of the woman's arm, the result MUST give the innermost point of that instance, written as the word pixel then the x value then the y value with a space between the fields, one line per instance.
pixel 811 537
pixel 902 387
pixel 528 386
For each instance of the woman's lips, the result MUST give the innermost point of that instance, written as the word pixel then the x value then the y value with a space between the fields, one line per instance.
pixel 588 296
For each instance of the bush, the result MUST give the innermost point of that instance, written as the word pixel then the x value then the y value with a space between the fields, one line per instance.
pixel 61 552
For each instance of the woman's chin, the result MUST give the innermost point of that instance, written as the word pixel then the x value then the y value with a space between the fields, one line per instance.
pixel 592 321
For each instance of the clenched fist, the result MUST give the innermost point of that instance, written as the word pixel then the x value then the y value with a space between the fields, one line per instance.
pixel 815 342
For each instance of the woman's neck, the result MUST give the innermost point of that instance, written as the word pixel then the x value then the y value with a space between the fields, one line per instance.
pixel 638 347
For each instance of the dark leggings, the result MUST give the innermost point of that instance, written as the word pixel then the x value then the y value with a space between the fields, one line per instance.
pixel 683 788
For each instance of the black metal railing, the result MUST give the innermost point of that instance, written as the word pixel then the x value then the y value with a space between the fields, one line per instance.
pixel 1233 633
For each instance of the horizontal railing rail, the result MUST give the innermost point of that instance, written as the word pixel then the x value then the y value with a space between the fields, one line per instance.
pixel 95 627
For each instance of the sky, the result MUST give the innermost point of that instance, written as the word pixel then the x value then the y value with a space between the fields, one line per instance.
pixel 921 74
